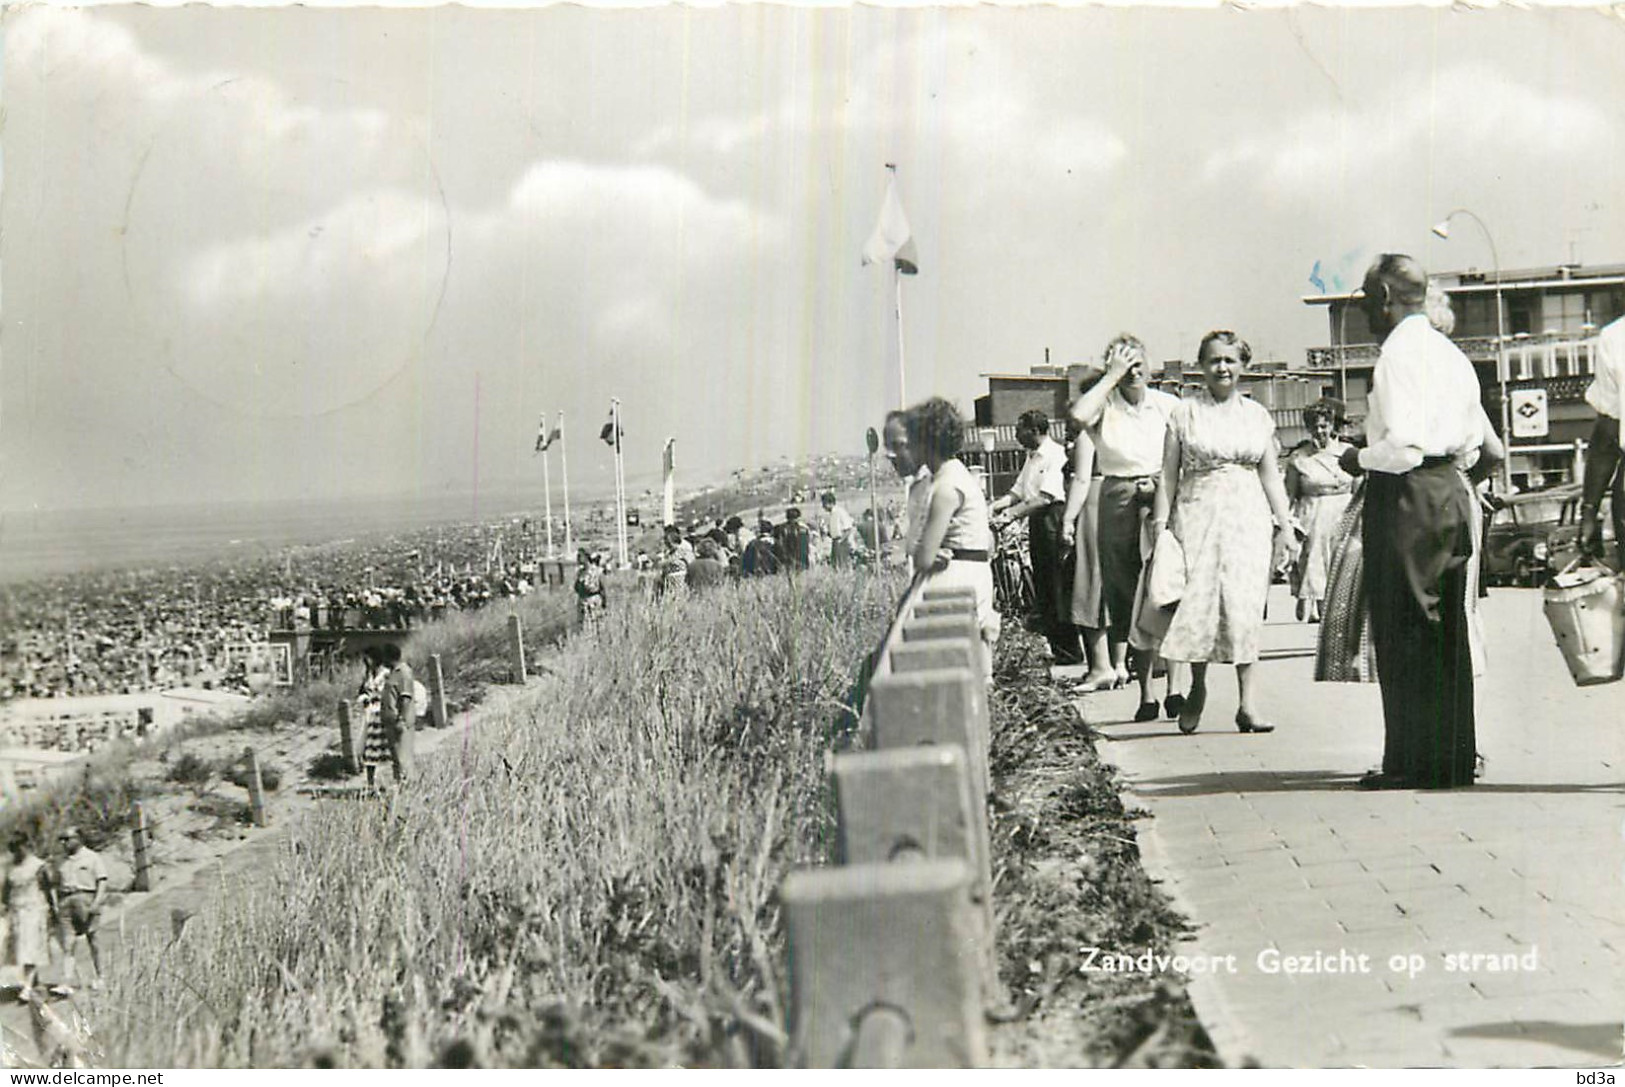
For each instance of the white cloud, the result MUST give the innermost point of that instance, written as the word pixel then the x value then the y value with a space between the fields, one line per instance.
pixel 369 239
pixel 1466 109
pixel 978 103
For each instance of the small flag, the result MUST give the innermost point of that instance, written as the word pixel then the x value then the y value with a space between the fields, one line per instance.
pixel 607 433
pixel 1314 278
pixel 544 437
pixel 892 239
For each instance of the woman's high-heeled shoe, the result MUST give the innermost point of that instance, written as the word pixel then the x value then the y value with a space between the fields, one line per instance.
pixel 1245 722
pixel 1190 714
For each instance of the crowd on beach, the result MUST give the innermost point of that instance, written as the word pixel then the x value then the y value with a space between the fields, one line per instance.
pixel 120 632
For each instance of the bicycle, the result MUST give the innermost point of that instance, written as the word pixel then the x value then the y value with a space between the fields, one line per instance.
pixel 1013 591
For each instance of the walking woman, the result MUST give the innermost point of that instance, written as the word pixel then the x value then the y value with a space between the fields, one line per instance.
pixel 1319 491
pixel 1223 500
pixel 956 544
pixel 1080 531
pixel 27 911
pixel 1128 423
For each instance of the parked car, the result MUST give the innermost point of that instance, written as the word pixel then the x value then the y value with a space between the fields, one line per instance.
pixel 1563 542
pixel 1517 547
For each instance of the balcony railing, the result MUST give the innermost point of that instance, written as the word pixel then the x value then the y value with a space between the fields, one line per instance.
pixel 1529 358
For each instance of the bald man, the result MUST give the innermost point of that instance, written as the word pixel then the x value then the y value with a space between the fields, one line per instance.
pixel 1423 414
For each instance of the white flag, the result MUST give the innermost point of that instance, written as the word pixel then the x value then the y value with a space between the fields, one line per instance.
pixel 668 497
pixel 892 239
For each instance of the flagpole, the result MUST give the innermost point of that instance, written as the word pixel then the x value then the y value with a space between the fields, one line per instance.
pixel 547 499
pixel 668 499
pixel 564 469
pixel 902 381
pixel 620 480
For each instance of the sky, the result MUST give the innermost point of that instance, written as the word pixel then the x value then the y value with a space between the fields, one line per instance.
pixel 300 253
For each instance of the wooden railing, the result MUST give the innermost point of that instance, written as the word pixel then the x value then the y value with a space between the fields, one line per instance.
pixel 892 960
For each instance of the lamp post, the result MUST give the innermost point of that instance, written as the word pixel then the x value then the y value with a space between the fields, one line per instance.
pixel 1442 229
pixel 990 438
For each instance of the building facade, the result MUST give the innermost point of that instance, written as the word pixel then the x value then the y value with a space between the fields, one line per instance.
pixel 1550 317
pixel 990 445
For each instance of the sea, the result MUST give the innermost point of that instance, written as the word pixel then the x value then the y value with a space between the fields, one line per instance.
pixel 38 544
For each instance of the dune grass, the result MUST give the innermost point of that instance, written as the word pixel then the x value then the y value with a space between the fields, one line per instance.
pixel 589 879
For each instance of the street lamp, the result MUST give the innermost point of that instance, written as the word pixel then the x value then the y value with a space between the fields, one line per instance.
pixel 990 438
pixel 1442 229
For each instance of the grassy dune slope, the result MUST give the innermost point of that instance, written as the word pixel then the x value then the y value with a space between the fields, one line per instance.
pixel 588 881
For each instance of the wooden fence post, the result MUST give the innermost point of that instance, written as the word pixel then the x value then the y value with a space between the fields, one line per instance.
pixel 256 788
pixel 138 841
pixel 868 937
pixel 516 648
pixel 437 693
pixel 347 738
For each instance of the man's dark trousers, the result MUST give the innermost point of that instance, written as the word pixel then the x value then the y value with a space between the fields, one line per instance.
pixel 1417 541
pixel 1050 587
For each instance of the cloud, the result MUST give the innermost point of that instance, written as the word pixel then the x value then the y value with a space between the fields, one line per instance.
pixel 932 86
pixel 1468 110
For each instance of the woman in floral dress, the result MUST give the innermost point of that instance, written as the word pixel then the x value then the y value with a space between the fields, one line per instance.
pixel 1223 489
pixel 1320 491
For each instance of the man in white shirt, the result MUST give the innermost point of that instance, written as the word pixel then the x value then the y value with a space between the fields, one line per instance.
pixel 1039 494
pixel 1128 422
pixel 837 525
pixel 1607 396
pixel 1423 413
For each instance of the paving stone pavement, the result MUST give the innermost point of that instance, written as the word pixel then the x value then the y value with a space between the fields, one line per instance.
pixel 1267 846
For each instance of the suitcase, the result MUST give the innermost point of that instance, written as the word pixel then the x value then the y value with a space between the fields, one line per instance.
pixel 1585 607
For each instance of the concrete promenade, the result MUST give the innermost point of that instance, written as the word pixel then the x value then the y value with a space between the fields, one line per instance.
pixel 1265 843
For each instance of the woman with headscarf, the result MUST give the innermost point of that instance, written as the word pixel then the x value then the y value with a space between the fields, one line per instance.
pixel 1319 491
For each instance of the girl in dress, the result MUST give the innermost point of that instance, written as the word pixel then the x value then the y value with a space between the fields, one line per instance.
pixel 1221 495
pixel 375 743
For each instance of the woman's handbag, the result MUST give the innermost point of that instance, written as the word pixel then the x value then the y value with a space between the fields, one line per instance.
pixel 1165 577
pixel 1345 653
pixel 1586 610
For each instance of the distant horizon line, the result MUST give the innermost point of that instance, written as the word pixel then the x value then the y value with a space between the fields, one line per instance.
pixel 508 489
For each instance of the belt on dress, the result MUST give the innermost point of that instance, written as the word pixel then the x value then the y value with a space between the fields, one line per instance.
pixel 1135 479
pixel 961 554
pixel 1437 462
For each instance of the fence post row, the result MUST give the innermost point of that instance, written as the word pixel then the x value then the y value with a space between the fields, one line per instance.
pixel 516 649
pixel 256 787
pixel 347 750
pixel 139 837
pixel 892 957
pixel 437 691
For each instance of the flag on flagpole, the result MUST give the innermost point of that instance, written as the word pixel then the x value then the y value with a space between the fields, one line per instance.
pixel 544 437
pixel 607 433
pixel 892 240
